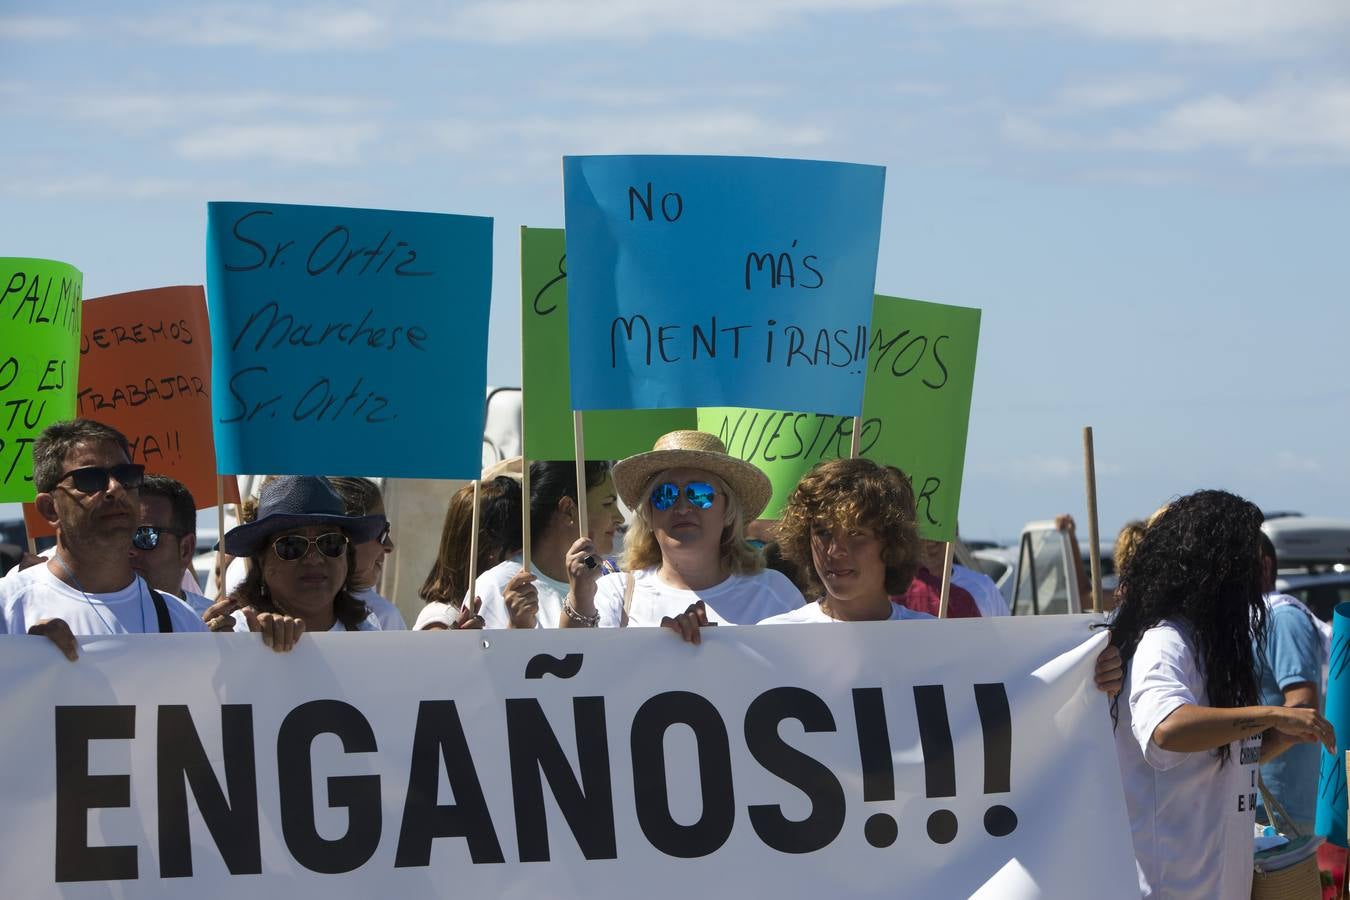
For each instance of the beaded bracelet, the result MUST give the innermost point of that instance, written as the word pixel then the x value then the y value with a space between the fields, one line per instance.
pixel 590 621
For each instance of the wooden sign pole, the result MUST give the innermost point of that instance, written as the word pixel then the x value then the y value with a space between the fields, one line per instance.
pixel 579 441
pixel 473 548
pixel 1094 541
pixel 220 536
pixel 944 599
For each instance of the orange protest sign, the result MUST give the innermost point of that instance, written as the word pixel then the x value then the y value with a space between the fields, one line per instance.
pixel 145 369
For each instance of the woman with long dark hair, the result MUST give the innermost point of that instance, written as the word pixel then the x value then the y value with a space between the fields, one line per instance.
pixel 514 597
pixel 1188 733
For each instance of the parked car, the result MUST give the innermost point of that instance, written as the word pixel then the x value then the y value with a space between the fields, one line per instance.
pixel 1320 592
pixel 1035 576
pixel 1314 555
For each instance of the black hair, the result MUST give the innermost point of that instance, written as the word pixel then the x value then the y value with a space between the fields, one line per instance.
pixel 183 509
pixel 59 438
pixel 1268 552
pixel 1199 561
pixel 553 480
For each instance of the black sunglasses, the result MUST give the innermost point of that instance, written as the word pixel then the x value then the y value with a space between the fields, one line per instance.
pixel 291 547
pixel 92 479
pixel 146 537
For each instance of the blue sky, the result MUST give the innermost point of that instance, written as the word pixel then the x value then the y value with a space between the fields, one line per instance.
pixel 1150 201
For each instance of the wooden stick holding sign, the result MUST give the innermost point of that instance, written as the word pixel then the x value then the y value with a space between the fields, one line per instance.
pixel 855 441
pixel 524 510
pixel 473 548
pixel 1094 541
pixel 524 454
pixel 220 535
pixel 580 442
pixel 945 597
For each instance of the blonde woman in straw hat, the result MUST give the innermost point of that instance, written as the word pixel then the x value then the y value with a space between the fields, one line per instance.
pixel 686 562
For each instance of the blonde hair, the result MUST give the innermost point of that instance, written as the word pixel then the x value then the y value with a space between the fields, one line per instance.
pixel 1127 542
pixel 641 550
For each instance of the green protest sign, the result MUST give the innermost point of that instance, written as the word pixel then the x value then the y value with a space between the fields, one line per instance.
pixel 545 393
pixel 40 337
pixel 916 411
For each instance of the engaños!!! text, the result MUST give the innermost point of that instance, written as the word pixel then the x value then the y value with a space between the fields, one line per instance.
pixel 583 794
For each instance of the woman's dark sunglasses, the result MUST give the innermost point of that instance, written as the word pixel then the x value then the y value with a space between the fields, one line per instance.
pixel 92 479
pixel 700 495
pixel 291 547
pixel 146 537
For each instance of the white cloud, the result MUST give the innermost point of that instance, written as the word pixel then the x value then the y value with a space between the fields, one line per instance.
pixel 1117 92
pixel 328 143
pixel 1043 469
pixel 275 27
pixel 148 109
pixel 920 89
pixel 1217 22
pixel 83 186
pixel 374 23
pixel 36 28
pixel 704 131
pixel 511 21
pixel 1288 461
pixel 1286 124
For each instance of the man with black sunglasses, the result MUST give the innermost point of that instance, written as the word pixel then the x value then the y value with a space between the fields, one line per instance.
pixel 163 545
pixel 88 489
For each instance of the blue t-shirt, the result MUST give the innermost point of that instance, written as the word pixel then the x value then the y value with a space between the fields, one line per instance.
pixel 1292 654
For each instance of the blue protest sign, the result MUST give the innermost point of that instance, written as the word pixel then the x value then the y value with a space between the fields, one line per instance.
pixel 347 341
pixel 1331 806
pixel 720 281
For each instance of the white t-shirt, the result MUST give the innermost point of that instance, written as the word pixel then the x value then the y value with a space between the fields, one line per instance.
pixel 812 612
pixel 435 611
pixel 369 623
pixel 489 587
pixel 1191 818
pixel 39 594
pixel 982 590
pixel 740 600
pixel 235 573
pixel 384 611
pixel 198 603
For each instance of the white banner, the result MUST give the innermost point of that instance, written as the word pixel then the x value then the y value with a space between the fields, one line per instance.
pixel 923 759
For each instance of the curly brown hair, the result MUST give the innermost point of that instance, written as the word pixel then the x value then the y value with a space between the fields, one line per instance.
pixel 854 493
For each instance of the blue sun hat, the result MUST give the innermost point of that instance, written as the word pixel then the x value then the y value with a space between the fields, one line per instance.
pixel 298 501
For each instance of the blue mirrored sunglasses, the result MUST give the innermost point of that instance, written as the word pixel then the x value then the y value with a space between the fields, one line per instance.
pixel 700 495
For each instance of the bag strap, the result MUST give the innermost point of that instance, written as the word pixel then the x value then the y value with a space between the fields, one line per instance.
pixel 629 583
pixel 162 612
pixel 1275 811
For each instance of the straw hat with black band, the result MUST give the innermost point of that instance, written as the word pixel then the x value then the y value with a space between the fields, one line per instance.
pixel 298 501
pixel 693 450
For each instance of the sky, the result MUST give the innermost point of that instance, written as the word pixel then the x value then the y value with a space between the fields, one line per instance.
pixel 1150 201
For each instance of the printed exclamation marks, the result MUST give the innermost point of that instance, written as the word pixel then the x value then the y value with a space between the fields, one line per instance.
pixel 874 751
pixel 996 722
pixel 935 735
